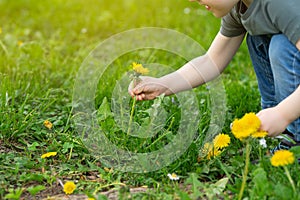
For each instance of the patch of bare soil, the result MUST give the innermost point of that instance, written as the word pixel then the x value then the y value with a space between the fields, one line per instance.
pixel 111 194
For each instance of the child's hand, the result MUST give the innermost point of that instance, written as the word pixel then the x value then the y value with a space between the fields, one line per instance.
pixel 149 88
pixel 272 121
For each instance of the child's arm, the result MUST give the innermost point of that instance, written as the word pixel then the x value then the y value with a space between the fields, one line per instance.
pixel 298 45
pixel 196 72
pixel 275 120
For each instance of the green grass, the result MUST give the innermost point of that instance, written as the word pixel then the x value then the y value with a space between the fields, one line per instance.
pixel 42 46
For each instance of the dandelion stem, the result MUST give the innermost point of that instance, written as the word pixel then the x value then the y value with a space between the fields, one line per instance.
pixel 131 115
pixel 290 178
pixel 245 170
pixel 3 47
pixel 70 154
pixel 163 135
pixel 108 185
pixel 288 139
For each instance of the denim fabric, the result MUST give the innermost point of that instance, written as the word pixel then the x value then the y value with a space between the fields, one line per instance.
pixel 276 63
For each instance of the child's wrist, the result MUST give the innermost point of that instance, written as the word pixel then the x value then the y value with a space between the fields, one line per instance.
pixel 164 87
pixel 284 114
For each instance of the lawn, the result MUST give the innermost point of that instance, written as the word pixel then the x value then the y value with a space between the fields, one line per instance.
pixel 65 67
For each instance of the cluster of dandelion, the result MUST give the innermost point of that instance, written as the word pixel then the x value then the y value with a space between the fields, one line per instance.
pixel 243 129
pixel 247 126
pixel 215 148
pixel 69 187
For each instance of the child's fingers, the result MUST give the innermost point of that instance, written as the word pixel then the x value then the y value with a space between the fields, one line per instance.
pixel 140 97
pixel 139 89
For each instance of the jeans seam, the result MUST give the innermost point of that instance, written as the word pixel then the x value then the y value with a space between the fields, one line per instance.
pixel 296 82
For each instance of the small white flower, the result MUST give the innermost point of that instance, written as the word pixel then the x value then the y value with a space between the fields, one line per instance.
pixel 263 143
pixel 173 177
pixel 173 100
pixel 83 30
pixel 186 11
pixel 166 10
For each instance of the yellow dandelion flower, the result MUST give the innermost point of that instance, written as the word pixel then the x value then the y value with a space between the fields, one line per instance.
pixel 210 151
pixel 139 69
pixel 259 134
pixel 239 130
pixel 221 141
pixel 244 127
pixel 206 148
pixel 282 158
pixel 251 120
pixel 106 169
pixel 49 154
pixel 48 124
pixel 173 177
pixel 20 43
pixel 213 153
pixel 91 198
pixel 69 187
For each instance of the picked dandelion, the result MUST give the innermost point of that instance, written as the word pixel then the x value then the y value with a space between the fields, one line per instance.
pixel 259 134
pixel 251 121
pixel 242 129
pixel 138 69
pixel 246 126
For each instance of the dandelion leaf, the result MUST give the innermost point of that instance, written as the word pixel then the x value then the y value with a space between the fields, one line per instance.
pixel 216 188
pixel 261 186
pixel 196 185
pixel 296 151
pixel 104 110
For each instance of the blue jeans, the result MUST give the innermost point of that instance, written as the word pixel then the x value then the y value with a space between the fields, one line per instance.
pixel 276 63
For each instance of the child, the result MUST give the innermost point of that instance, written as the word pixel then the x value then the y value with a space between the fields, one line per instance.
pixel 273 39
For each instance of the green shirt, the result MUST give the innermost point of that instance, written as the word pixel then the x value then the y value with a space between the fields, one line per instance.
pixel 264 17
